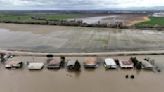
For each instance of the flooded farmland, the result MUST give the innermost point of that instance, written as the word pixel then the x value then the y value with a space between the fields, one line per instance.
pixel 98 80
pixel 43 38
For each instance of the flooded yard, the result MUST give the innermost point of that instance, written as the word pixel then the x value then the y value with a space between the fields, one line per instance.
pixel 42 38
pixel 98 80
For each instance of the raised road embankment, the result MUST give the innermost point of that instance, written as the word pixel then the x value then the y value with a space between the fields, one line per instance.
pixel 22 53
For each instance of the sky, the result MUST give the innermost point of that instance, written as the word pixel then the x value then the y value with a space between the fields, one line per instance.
pixel 78 4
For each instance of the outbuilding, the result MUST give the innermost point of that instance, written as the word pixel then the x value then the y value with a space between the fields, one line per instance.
pixel 109 63
pixel 146 65
pixel 35 66
pixel 126 64
pixel 13 64
pixel 90 62
pixel 54 63
pixel 70 64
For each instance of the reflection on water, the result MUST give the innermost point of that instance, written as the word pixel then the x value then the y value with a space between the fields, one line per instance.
pixel 90 20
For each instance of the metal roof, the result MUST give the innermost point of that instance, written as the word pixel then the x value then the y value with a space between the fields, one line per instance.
pixel 71 63
pixel 54 61
pixel 35 65
pixel 90 61
pixel 147 64
pixel 110 61
pixel 126 64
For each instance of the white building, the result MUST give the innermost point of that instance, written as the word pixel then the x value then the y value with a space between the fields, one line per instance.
pixel 158 14
pixel 147 65
pixel 110 63
pixel 35 66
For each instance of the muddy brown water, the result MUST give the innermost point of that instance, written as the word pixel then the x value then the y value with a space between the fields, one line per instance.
pixel 75 39
pixel 43 38
pixel 98 80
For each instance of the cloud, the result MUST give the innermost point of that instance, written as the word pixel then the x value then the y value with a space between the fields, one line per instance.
pixel 77 4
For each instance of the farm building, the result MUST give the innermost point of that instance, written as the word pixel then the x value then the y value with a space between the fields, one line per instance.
pixel 158 14
pixel 54 63
pixel 90 62
pixel 147 65
pixel 35 66
pixel 110 63
pixel 126 64
pixel 13 64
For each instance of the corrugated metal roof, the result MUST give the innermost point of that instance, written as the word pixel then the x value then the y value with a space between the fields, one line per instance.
pixel 35 65
pixel 110 61
pixel 90 61
pixel 70 63
pixel 126 64
pixel 147 64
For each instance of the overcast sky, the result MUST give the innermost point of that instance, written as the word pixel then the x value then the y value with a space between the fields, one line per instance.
pixel 77 4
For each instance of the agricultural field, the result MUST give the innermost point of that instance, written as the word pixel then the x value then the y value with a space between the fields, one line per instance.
pixel 153 22
pixel 126 19
pixel 35 17
pixel 45 38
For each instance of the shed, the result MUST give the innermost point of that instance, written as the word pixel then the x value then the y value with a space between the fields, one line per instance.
pixel 90 62
pixel 126 64
pixel 35 66
pixel 146 65
pixel 14 64
pixel 54 63
pixel 70 64
pixel 110 63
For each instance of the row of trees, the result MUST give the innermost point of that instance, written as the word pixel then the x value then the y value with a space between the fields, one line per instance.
pixel 43 21
pixel 148 26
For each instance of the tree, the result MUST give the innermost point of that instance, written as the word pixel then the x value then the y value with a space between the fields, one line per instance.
pixel 139 66
pixel 50 56
pixel 134 60
pixel 2 57
pixel 117 62
pixel 62 63
pixel 77 66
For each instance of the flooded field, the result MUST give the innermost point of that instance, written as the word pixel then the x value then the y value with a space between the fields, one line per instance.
pixel 98 80
pixel 126 19
pixel 42 38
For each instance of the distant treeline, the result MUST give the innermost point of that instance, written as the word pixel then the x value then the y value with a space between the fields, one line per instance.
pixel 44 21
pixel 82 11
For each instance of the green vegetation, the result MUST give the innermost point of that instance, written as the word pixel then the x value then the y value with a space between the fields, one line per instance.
pixel 34 17
pixel 60 16
pixel 154 22
pixel 49 19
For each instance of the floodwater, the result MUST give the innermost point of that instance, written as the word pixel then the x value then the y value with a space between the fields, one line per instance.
pixel 98 80
pixel 43 38
pixel 91 20
pixel 126 19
